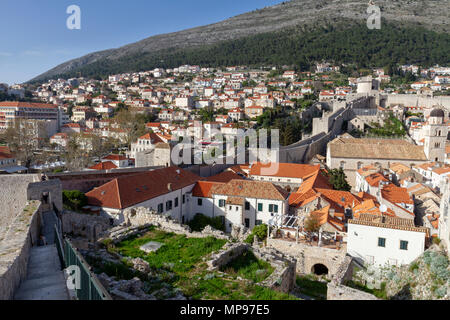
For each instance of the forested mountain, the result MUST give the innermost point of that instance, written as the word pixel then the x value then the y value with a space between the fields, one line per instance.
pixel 295 32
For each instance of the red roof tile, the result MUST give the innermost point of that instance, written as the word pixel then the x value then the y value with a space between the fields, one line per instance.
pixel 126 191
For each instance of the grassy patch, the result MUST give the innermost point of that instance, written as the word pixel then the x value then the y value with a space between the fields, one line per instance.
pixel 379 293
pixel 310 286
pixel 179 254
pixel 249 267
pixel 178 263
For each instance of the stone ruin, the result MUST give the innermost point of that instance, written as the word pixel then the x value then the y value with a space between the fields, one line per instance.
pixel 137 220
pixel 282 278
pixel 134 289
pixel 337 290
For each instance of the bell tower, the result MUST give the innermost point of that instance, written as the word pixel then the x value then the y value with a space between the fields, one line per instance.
pixel 435 136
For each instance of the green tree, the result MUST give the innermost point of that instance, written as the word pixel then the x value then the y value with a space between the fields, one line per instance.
pixel 338 180
pixel 312 224
pixel 74 199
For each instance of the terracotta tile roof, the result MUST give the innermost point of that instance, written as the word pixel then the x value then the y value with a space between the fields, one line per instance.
pixel 153 137
pixel 388 222
pixel 371 207
pixel 126 191
pixel 17 104
pixel 237 201
pixel 368 170
pixel 427 166
pixel 224 177
pixel 366 196
pixel 354 148
pixel 339 200
pixel 301 199
pixel 399 168
pixel 375 178
pixel 115 157
pixel 441 171
pixel 202 189
pixel 324 217
pixel 5 153
pixel 434 220
pixel 240 169
pixel 395 194
pixel 251 189
pixel 107 165
pixel 285 170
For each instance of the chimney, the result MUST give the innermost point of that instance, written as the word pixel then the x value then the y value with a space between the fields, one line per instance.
pixel 332 212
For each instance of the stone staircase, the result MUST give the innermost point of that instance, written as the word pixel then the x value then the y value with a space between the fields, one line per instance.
pixel 45 279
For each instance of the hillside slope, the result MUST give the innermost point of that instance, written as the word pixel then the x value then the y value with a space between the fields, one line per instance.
pixel 431 14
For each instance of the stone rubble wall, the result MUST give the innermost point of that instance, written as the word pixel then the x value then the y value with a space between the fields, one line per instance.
pixel 308 256
pixel 15 249
pixel 284 276
pixel 344 272
pixel 84 225
pixel 140 217
pixel 228 253
pixel 281 279
pixel 340 292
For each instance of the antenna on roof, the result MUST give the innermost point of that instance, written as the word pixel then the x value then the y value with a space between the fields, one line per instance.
pixel 383 209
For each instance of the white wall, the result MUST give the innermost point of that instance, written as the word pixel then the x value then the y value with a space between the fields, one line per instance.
pixel 176 213
pixel 362 242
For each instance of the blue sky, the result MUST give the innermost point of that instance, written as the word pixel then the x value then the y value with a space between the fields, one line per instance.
pixel 35 38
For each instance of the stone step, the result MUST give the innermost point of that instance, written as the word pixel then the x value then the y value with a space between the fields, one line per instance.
pixel 45 279
pixel 51 292
pixel 43 282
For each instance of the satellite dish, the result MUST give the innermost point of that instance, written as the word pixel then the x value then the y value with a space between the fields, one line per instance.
pixel 383 208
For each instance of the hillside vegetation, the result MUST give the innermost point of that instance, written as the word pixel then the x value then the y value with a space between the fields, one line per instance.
pixel 275 24
pixel 427 278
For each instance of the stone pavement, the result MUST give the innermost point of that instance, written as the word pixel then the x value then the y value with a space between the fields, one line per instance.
pixel 45 279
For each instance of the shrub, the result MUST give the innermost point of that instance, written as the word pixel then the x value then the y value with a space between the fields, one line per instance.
pixel 439 265
pixel 74 199
pixel 259 231
pixel 414 266
pixel 436 240
pixel 200 221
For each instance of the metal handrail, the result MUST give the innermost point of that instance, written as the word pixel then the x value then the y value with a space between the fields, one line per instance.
pixel 91 288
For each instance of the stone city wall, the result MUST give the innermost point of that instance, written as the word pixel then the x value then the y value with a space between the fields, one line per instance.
pixel 413 100
pixel 13 197
pixel 15 248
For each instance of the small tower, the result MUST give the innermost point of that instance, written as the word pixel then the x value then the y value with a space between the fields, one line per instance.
pixel 435 136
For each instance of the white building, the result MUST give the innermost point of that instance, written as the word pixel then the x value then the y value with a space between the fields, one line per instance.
pixel 166 191
pixel 444 219
pixel 385 240
pixel 240 202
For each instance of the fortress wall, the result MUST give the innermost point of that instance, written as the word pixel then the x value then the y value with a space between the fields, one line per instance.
pixel 416 100
pixel 15 248
pixel 13 197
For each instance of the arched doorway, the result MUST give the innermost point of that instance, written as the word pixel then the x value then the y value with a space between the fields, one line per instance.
pixel 319 269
